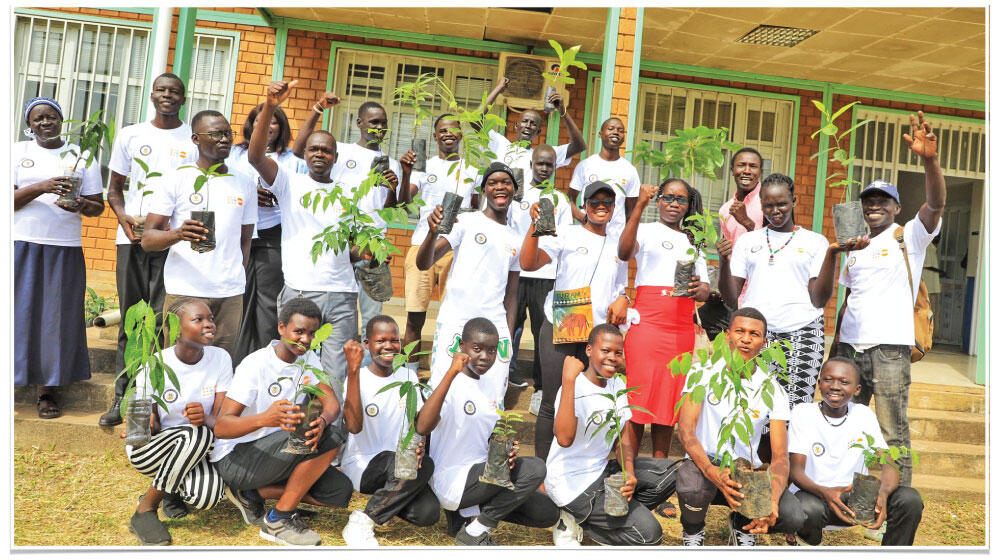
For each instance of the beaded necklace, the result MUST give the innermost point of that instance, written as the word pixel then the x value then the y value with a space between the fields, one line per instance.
pixel 767 235
pixel 828 420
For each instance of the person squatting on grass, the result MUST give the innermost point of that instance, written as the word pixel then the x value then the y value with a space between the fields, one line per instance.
pixel 257 412
pixel 578 462
pixel 177 455
pixel 375 422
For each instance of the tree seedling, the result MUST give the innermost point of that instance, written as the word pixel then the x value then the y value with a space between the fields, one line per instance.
pixel 143 353
pixel 878 456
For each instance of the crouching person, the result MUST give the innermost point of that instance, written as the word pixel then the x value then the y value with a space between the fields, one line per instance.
pixel 700 481
pixel 462 418
pixel 578 463
pixel 177 454
pixel 376 420
pixel 257 412
pixel 823 462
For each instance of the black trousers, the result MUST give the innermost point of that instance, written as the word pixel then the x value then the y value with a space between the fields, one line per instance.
pixel 139 275
pixel 695 493
pixel 260 300
pixel 552 357
pixel 905 509
pixel 524 505
pixel 531 293
pixel 411 500
pixel 656 480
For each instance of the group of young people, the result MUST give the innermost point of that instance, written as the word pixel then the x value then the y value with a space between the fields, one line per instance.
pixel 250 308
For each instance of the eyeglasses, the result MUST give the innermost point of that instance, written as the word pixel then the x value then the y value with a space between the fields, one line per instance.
pixel 668 198
pixel 218 134
pixel 605 202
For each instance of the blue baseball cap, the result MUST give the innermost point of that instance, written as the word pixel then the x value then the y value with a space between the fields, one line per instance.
pixel 883 187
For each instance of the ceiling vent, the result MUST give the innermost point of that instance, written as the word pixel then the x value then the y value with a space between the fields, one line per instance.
pixel 777 36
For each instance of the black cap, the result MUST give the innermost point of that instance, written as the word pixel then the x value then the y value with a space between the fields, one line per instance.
pixel 499 166
pixel 596 187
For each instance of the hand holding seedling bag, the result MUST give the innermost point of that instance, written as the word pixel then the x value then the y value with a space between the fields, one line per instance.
pixel 409 450
pixel 304 435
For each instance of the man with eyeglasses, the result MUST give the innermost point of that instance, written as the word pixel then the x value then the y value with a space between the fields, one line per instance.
pixel 218 275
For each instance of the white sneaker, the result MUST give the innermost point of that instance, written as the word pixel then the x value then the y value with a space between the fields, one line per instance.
pixel 567 532
pixel 536 402
pixel 697 539
pixel 360 531
pixel 739 537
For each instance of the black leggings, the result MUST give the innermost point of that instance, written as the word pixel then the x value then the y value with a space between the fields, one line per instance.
pixel 551 357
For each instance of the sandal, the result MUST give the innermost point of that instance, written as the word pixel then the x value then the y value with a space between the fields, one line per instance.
pixel 50 409
pixel 666 509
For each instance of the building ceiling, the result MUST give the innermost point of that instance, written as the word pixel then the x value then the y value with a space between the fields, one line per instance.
pixel 934 51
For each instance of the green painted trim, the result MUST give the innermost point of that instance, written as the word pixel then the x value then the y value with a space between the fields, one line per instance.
pixel 329 82
pixel 819 195
pixel 587 58
pixel 235 36
pixel 930 116
pixel 633 101
pixel 918 98
pixel 183 48
pixel 396 225
pixel 410 52
pixel 147 86
pixel 984 299
pixel 231 17
pixel 796 107
pixel 552 130
pixel 82 17
pixel 148 11
pixel 267 15
pixel 280 43
pixel 850 153
pixel 392 35
pixel 591 76
pixel 608 64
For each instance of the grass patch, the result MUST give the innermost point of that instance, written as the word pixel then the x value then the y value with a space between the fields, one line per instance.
pixel 77 500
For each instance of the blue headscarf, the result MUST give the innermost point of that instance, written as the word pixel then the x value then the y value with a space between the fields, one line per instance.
pixel 35 102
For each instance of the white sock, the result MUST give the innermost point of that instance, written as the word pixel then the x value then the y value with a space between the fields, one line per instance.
pixel 471 511
pixel 475 528
pixel 413 366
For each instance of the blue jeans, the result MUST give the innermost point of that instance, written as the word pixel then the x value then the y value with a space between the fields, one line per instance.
pixel 885 374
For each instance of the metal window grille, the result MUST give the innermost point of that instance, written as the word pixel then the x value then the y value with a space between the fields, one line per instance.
pixel 211 83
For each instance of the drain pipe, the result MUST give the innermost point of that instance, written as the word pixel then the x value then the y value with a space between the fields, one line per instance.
pixel 109 319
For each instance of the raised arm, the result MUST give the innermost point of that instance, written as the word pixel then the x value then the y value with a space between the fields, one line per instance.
pixel 821 287
pixel 432 248
pixel 353 415
pixel 327 100
pixel 430 413
pixel 564 427
pixel 277 92
pixel 729 286
pixel 923 142
pixel 532 258
pixel 627 242
pixel 576 142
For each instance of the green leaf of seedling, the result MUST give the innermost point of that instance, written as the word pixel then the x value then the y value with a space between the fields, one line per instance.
pixel 159 402
pixel 321 335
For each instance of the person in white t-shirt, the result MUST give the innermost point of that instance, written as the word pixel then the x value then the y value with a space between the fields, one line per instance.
pixel 375 418
pixel 49 270
pixel 533 286
pixel 609 166
pixel 432 184
pixel 250 433
pixel 590 282
pixel 666 323
pixel 578 461
pixel 823 461
pixel 876 322
pixel 162 145
pixel 788 271
pixel 264 279
pixel 484 274
pixel 517 153
pixel 217 276
pixel 176 456
pixel 700 480
pixel 461 416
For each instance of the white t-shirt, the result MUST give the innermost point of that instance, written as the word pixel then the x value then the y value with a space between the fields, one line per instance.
pixel 332 271
pixel 714 411
pixel 218 273
pixel 570 470
pixel 256 386
pixel 830 459
pixel 581 261
pixel 352 167
pixel 199 383
pixel 781 290
pixel 162 150
pixel 383 423
pixel 40 220
pixel 267 216
pixel 461 438
pixel 485 252
pixel 519 218
pixel 434 183
pixel 620 174
pixel 515 156
pixel 880 307
pixel 658 250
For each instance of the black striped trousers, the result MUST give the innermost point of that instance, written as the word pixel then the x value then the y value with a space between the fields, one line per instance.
pixel 177 459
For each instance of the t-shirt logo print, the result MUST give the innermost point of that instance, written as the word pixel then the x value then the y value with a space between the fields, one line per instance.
pixel 195 198
pixel 351 164
pixel 371 410
pixel 503 350
pixel 480 238
pixel 756 248
pixel 145 150
pixel 470 408
pixel 274 389
pixel 712 399
pixel 170 395
pixel 432 178
pixel 27 163
pixel 668 245
pixel 582 250
pixel 851 262
pixel 818 449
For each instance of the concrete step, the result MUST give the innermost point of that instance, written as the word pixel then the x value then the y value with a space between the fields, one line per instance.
pixel 101 349
pixel 92 395
pixel 947 488
pixel 941 458
pixel 948 426
pixel 76 431
pixel 948 398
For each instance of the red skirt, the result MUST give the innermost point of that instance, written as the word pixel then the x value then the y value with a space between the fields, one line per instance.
pixel 665 330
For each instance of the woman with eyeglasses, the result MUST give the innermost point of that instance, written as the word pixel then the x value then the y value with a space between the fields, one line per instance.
pixel 666 327
pixel 264 278
pixel 589 290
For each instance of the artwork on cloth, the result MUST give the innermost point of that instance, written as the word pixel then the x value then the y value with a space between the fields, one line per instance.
pixel 572 315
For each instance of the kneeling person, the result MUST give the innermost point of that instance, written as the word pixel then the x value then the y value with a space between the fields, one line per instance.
pixel 823 462
pixel 462 418
pixel 577 462
pixel 375 421
pixel 257 412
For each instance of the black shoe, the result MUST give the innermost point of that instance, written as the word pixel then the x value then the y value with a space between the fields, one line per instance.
pixel 463 538
pixel 113 416
pixel 173 506
pixel 149 529
pixel 515 380
pixel 455 522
